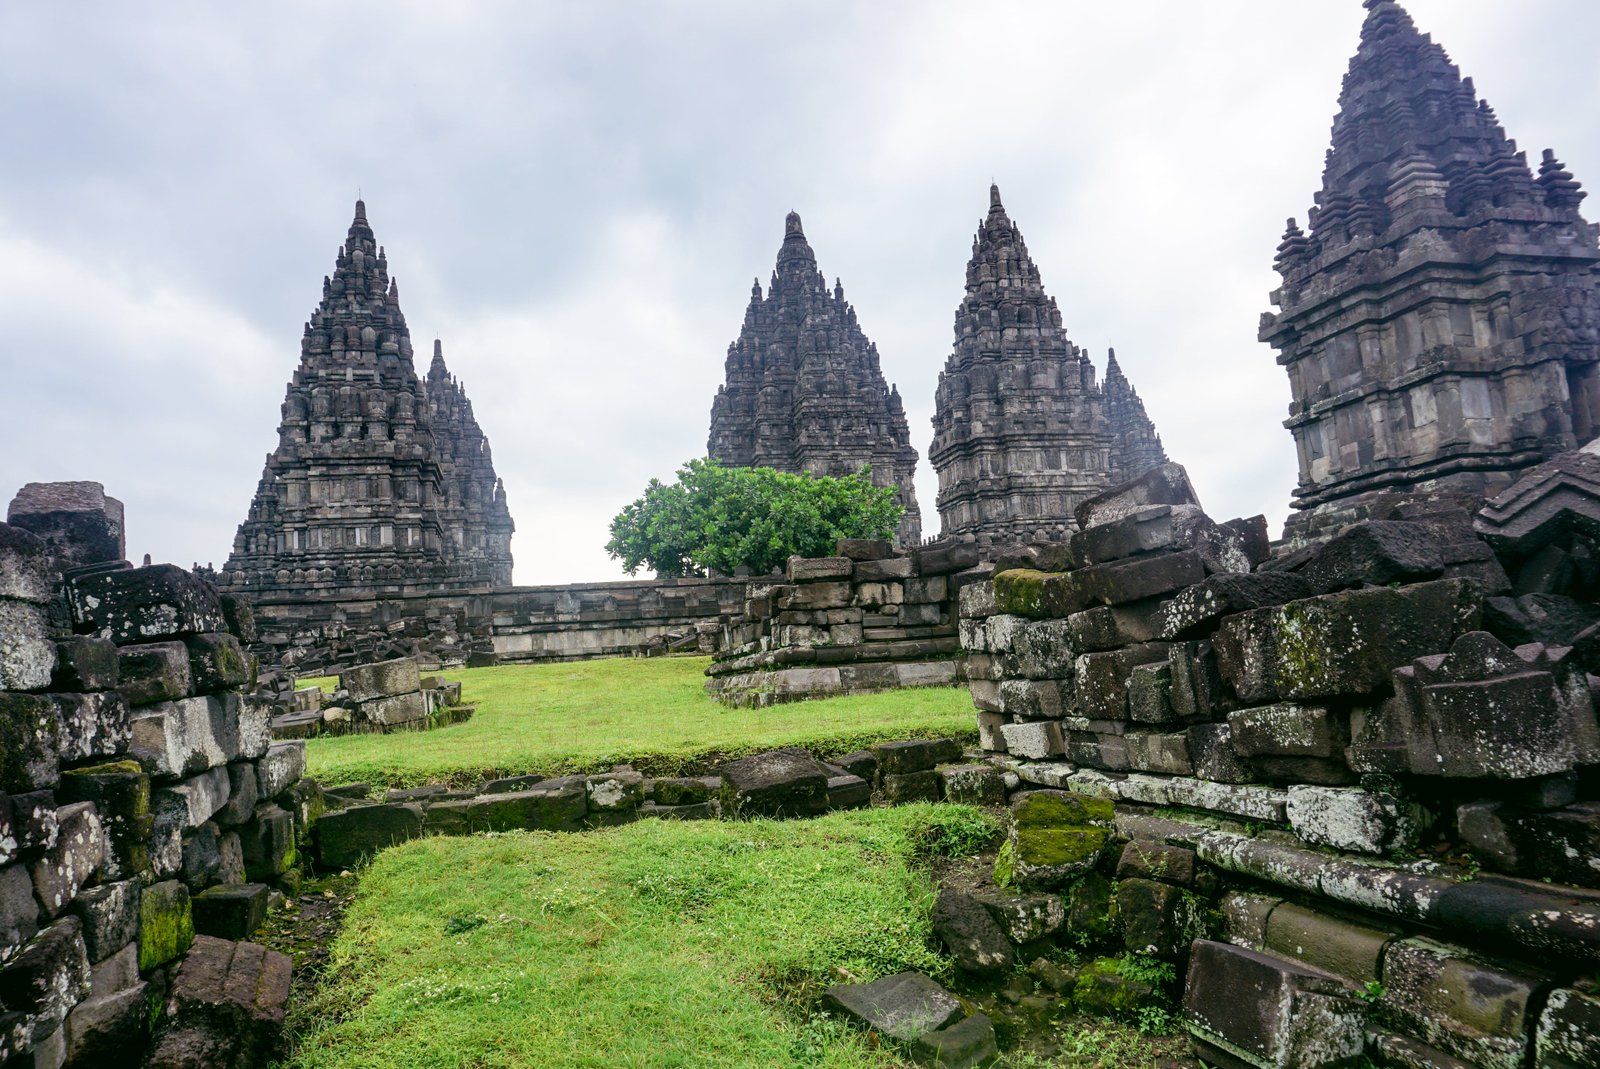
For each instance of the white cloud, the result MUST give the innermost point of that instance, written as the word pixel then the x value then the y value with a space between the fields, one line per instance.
pixel 575 198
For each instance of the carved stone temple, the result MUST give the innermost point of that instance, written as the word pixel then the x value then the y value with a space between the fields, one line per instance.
pixel 804 391
pixel 1439 320
pixel 379 476
pixel 1022 431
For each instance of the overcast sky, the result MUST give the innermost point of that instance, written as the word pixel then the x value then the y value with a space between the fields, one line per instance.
pixel 575 197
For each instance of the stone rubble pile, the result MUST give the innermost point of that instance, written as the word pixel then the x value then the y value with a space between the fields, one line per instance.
pixel 385 696
pixel 862 621
pixel 1342 780
pixel 142 803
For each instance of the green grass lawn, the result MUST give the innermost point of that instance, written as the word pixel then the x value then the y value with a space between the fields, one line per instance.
pixel 657 944
pixel 585 716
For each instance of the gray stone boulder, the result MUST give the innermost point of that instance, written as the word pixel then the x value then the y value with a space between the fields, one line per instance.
pixel 780 783
pixel 1277 1013
pixel 79 523
pixel 971 935
pixel 345 836
pixel 903 1007
pixel 158 601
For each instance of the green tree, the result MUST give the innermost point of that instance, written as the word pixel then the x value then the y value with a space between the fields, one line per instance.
pixel 722 518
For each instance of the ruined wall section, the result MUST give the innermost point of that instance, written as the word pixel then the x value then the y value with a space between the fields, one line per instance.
pixel 144 808
pixel 863 621
pixel 1361 778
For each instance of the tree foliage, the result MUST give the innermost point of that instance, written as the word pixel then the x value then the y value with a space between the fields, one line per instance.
pixel 721 518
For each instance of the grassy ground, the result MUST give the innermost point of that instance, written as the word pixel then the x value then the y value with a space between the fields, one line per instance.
pixel 587 715
pixel 658 944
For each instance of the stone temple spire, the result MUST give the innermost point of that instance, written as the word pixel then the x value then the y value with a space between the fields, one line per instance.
pixel 1136 447
pixel 354 490
pixel 472 509
pixel 1021 430
pixel 804 390
pixel 1438 318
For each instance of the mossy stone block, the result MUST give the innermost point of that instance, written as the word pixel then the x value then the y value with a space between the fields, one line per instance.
pixel 166 924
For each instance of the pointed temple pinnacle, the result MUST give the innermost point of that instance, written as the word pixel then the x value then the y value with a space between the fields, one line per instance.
pixel 994 198
pixel 1383 18
pixel 437 367
pixel 791 227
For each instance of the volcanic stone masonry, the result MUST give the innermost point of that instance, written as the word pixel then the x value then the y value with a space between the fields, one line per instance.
pixel 1440 322
pixel 378 477
pixel 862 621
pixel 1352 793
pixel 1022 432
pixel 804 392
pixel 146 817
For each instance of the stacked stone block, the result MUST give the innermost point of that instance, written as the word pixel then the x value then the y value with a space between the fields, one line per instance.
pixel 1279 740
pixel 862 621
pixel 138 784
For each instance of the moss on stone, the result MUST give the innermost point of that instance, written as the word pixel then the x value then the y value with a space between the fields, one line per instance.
pixel 1005 865
pixel 1057 809
pixel 1021 592
pixel 166 926
pixel 1052 847
pixel 110 768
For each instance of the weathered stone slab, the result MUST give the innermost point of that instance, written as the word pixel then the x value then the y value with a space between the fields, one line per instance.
pixel 76 520
pixel 915 755
pixel 267 843
pixel 27 647
pixel 1026 919
pixel 1353 951
pixel 231 912
pixel 146 604
pixel 282 765
pixel 381 679
pixel 72 860
pixel 1294 1017
pixel 1460 1004
pixel 110 916
pixel 217 661
pixel 967 1044
pixel 903 1006
pixel 166 926
pixel 1035 740
pixel 47 977
pixel 1348 818
pixel 971 935
pixel 345 836
pixel 150 672
pixel 27 572
pixel 236 992
pixel 559 804
pixel 1341 644
pixel 30 742
pixel 1483 710
pixel 978 784
pixel 85 663
pixel 1195 611
pixel 1054 837
pixel 1569 1031
pixel 1165 485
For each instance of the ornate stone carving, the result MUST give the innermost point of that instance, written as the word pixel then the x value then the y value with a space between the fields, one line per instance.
pixel 1440 322
pixel 804 391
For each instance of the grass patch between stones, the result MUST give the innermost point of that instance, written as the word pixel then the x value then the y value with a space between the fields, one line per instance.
pixel 655 944
pixel 588 715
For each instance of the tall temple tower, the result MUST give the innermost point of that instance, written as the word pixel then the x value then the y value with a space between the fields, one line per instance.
pixel 804 391
pixel 473 512
pixel 1022 432
pixel 378 475
pixel 1440 322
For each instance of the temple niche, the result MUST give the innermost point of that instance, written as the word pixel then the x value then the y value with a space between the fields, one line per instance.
pixel 378 475
pixel 1438 319
pixel 1022 431
pixel 804 391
